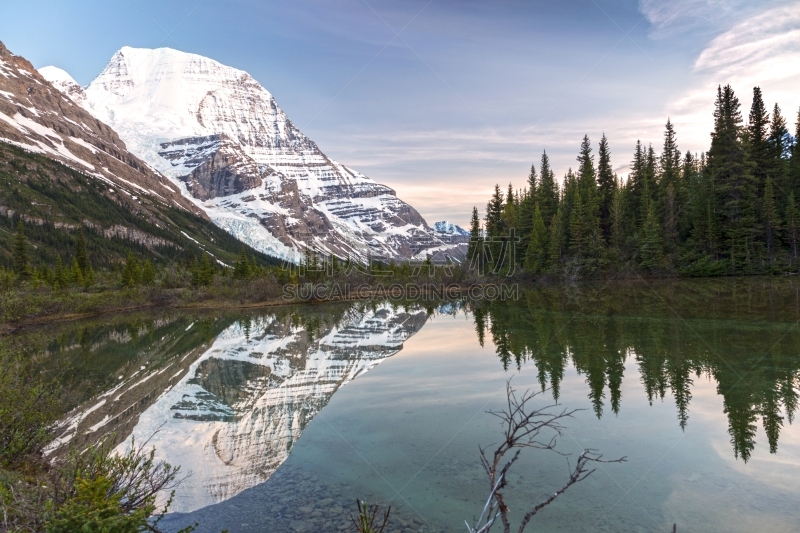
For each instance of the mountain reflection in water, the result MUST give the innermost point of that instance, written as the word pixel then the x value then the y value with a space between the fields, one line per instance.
pixel 230 412
pixel 231 395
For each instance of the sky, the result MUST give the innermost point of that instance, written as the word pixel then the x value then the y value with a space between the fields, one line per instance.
pixel 441 99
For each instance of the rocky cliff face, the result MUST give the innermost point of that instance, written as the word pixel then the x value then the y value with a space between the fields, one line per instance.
pixel 223 169
pixel 37 117
pixel 216 132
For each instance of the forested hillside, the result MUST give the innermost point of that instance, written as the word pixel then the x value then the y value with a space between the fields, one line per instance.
pixel 55 204
pixel 730 211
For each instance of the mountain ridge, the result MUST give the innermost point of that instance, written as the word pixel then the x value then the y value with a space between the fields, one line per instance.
pixel 271 186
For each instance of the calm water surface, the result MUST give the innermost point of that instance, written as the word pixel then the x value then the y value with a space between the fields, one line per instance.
pixel 284 418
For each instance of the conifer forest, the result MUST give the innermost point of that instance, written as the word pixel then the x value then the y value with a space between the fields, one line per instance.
pixel 729 211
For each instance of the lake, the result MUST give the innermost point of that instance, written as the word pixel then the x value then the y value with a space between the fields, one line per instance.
pixel 283 417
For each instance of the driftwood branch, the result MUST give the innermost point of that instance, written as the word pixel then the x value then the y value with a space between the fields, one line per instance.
pixel 527 426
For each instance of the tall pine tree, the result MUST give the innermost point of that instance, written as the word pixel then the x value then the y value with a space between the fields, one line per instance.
pixel 606 185
pixel 728 169
pixel 547 191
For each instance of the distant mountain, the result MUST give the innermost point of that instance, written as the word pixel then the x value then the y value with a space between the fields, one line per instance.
pixel 455 236
pixel 223 140
pixel 61 167
pixel 447 228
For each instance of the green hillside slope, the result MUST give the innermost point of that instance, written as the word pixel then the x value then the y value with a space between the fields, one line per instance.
pixel 53 201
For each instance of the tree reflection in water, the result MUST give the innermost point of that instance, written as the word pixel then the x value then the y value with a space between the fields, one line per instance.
pixel 740 333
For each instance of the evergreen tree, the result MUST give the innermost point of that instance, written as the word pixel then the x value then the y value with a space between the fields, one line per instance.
pixel 75 275
pixel 510 211
pixel 525 207
pixel 547 191
pixel 537 252
pixel 616 216
pixel 555 240
pixel 80 251
pixel 131 272
pixel 148 273
pixel 792 227
pixel 636 189
pixel 587 178
pixel 495 226
pixel 771 221
pixel 242 268
pixel 793 171
pixel 606 183
pixel 649 181
pixel 757 140
pixel 670 163
pixel 206 270
pixel 577 226
pixel 21 262
pixel 780 150
pixel 60 275
pixel 475 249
pixel 651 252
pixel 670 219
pixel 732 179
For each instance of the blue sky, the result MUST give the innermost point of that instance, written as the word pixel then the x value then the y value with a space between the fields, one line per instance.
pixel 441 100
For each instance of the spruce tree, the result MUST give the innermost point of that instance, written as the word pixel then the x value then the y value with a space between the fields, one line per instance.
pixel 616 218
pixel 131 271
pixel 206 270
pixel 60 275
pixel 780 149
pixel 525 206
pixel 80 251
pixel 793 171
pixel 495 226
pixel 771 221
pixel 242 268
pixel 577 226
pixel 148 273
pixel 758 146
pixel 75 275
pixel 510 211
pixel 475 249
pixel 547 191
pixel 537 252
pixel 651 252
pixel 792 227
pixel 606 183
pixel 21 262
pixel 555 240
pixel 732 179
pixel 670 161
pixel 636 191
pixel 650 185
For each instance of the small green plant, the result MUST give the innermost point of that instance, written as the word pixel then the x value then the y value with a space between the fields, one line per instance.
pixel 366 520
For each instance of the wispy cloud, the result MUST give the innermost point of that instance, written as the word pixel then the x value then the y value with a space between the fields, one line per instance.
pixel 762 50
pixel 668 18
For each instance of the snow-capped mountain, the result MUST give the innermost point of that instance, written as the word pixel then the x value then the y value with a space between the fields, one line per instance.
pixel 447 228
pixel 36 117
pixel 223 139
pixel 452 234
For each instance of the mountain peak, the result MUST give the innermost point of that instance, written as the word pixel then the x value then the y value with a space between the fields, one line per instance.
pixel 221 137
pixel 62 81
